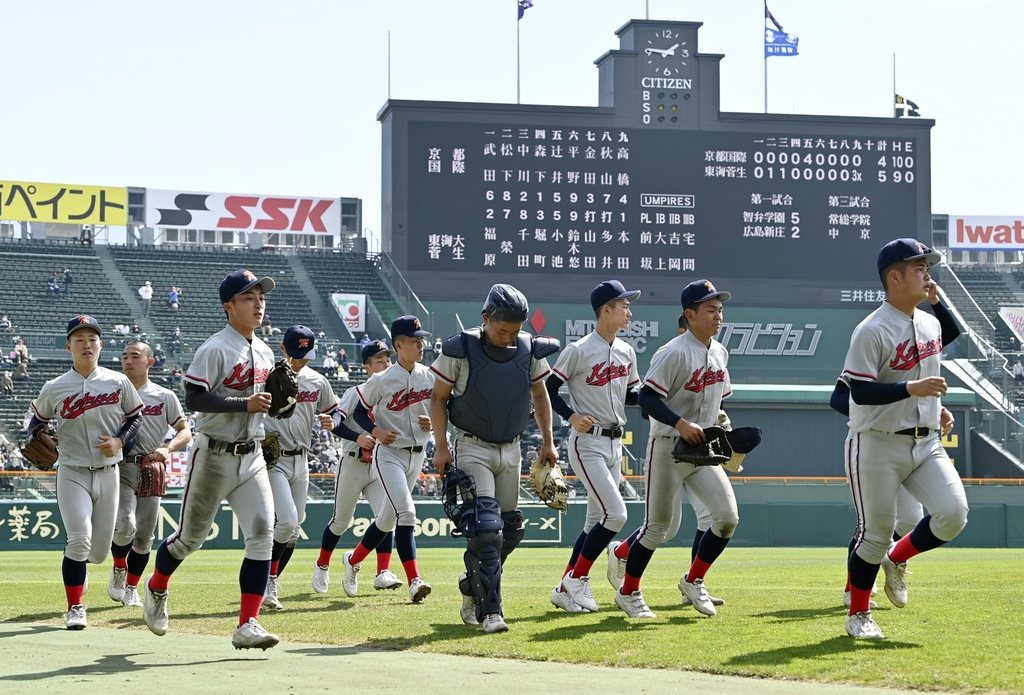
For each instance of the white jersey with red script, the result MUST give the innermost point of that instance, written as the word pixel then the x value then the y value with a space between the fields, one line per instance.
pixel 598 375
pixel 315 396
pixel 889 347
pixel 161 410
pixel 85 408
pixel 397 398
pixel 692 379
pixel 231 366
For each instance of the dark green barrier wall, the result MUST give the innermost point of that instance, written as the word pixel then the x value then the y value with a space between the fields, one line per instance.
pixel 770 515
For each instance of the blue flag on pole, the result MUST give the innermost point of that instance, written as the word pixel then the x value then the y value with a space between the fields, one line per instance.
pixel 524 5
pixel 776 41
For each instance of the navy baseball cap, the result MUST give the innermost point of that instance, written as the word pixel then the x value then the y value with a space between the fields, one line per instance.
pixel 241 280
pixel 906 250
pixel 701 291
pixel 408 326
pixel 299 343
pixel 609 290
pixel 374 348
pixel 84 321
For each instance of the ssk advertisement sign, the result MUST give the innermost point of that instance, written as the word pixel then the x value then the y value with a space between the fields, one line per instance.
pixel 247 213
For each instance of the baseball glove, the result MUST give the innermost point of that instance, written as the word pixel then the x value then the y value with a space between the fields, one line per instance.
pixel 41 448
pixel 152 478
pixel 271 449
pixel 548 483
pixel 283 387
pixel 715 450
pixel 743 440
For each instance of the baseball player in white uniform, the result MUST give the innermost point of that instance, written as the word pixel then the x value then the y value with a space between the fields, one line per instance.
pixel 355 476
pixel 400 400
pixel 137 516
pixel 601 373
pixel 895 389
pixel 226 385
pixel 95 411
pixel 682 394
pixel 289 479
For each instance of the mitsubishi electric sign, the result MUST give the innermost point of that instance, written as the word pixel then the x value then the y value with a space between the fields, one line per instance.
pixel 636 334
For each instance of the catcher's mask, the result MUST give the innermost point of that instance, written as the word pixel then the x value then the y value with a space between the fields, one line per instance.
pixel 458 496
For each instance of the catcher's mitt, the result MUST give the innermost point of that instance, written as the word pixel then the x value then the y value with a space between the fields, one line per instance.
pixel 152 478
pixel 283 387
pixel 548 483
pixel 271 449
pixel 41 448
pixel 715 450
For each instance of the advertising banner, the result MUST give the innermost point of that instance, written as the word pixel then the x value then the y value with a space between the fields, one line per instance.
pixel 1014 317
pixel 63 203
pixel 248 213
pixel 974 233
pixel 352 309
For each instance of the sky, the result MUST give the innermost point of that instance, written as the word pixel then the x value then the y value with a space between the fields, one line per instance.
pixel 281 98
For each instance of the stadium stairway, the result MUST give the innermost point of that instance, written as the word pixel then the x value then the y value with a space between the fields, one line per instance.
pixel 129 295
pixel 319 304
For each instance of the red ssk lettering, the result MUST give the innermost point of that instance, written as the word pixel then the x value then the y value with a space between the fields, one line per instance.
pixel 241 377
pixel 602 374
pixel 277 220
pixel 308 396
pixel 73 406
pixel 702 378
pixel 907 355
pixel 403 399
pixel 153 410
pixel 236 205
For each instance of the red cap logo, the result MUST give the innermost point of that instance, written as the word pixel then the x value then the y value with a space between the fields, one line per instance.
pixel 249 275
pixel 711 288
pixel 303 342
pixel 83 319
pixel 416 323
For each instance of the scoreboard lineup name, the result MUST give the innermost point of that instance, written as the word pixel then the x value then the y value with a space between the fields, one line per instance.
pixel 543 199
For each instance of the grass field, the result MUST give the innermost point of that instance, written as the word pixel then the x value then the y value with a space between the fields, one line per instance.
pixel 783 618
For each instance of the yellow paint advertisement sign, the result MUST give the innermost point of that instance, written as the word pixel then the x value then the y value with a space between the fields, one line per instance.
pixel 63 203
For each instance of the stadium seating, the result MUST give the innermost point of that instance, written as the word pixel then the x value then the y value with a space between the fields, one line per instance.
pixel 988 289
pixel 350 272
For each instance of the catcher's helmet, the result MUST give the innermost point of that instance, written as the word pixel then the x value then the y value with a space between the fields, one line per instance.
pixel 506 303
pixel 457 497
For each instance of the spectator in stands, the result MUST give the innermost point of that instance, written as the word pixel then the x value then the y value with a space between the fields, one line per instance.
pixel 364 341
pixel 52 287
pixel 68 280
pixel 177 375
pixel 159 358
pixel 20 350
pixel 343 360
pixel 266 328
pixel 1018 372
pixel 146 293
pixel 136 331
pixel 330 367
pixel 21 372
pixel 5 323
pixel 174 298
pixel 437 347
pixel 321 346
pixel 6 386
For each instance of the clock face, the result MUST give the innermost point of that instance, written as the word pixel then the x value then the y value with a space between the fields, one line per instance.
pixel 665 54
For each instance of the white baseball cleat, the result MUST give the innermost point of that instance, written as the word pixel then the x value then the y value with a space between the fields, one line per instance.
pixel 115 587
pixel 76 617
pixel 251 635
pixel 321 579
pixel 351 582
pixel 616 566
pixel 468 611
pixel 895 581
pixel 386 580
pixel 862 626
pixel 131 598
pixel 846 600
pixel 154 612
pixel 493 622
pixel 714 601
pixel 418 590
pixel 633 605
pixel 563 600
pixel 580 591
pixel 270 599
pixel 698 595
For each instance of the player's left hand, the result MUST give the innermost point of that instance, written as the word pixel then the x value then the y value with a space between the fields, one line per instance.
pixel 933 292
pixel 159 454
pixel 109 445
pixel 548 454
pixel 326 422
pixel 424 421
pixel 946 422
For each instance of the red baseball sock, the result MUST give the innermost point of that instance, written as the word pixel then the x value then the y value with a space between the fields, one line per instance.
pixel 383 562
pixel 860 600
pixel 412 569
pixel 568 569
pixel 250 608
pixel 622 551
pixel 132 579
pixel 158 582
pixel 582 568
pixel 74 594
pixel 903 550
pixel 630 584
pixel 847 589
pixel 325 557
pixel 274 567
pixel 697 570
pixel 121 562
pixel 359 554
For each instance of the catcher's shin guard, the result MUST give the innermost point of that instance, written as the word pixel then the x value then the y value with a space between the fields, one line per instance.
pixel 483 556
pixel 512 533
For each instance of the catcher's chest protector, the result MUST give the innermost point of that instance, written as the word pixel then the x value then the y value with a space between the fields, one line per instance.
pixel 496 405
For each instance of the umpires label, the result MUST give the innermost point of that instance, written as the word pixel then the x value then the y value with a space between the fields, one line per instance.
pixel 667 200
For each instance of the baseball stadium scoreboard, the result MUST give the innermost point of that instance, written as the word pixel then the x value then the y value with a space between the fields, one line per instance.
pixel 655 186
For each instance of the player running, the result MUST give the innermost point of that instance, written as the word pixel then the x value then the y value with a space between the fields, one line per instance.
pixel 353 477
pixel 895 415
pixel 399 398
pixel 487 380
pixel 95 411
pixel 601 372
pixel 225 384
pixel 137 516
pixel 289 478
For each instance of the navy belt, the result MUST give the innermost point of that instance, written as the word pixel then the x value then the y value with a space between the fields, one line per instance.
pixel 614 432
pixel 135 458
pixel 292 452
pixel 233 448
pixel 916 432
pixel 413 449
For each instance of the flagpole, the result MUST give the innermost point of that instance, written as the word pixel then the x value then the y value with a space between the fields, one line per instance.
pixel 389 64
pixel 894 115
pixel 765 63
pixel 517 51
